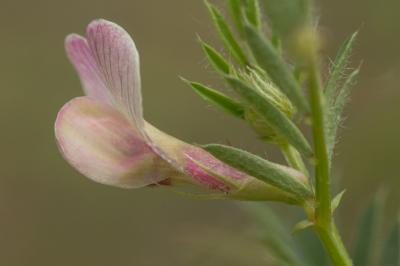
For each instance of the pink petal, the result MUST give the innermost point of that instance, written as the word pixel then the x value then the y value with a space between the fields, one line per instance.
pixel 196 157
pixel 108 65
pixel 82 58
pixel 103 145
pixel 107 62
pixel 118 60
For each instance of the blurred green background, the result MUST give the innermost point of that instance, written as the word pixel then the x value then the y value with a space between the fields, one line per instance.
pixel 51 215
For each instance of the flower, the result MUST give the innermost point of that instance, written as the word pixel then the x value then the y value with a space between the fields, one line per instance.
pixel 104 136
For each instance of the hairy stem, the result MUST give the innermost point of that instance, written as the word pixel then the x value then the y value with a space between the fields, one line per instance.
pixel 324 224
pixel 334 245
pixel 323 208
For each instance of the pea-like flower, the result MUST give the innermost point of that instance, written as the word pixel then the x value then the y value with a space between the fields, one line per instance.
pixel 104 136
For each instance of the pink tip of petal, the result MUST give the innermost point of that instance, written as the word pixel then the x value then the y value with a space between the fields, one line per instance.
pixel 81 57
pixel 214 164
pixel 203 177
pixel 198 160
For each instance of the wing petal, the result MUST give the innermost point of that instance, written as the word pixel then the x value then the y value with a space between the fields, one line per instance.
pixel 102 144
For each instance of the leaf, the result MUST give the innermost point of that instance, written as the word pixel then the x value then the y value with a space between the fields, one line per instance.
pixel 217 98
pixel 235 8
pixel 253 13
pixel 271 61
pixel 285 16
pixel 336 111
pixel 271 173
pixel 302 225
pixel 277 120
pixel 226 35
pixel 366 234
pixel 310 247
pixel 344 92
pixel 336 200
pixel 391 251
pixel 215 58
pixel 339 67
pixel 274 234
pixel 337 96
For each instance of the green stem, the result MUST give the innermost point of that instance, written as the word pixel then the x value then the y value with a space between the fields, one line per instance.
pixel 334 245
pixel 323 208
pixel 324 224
